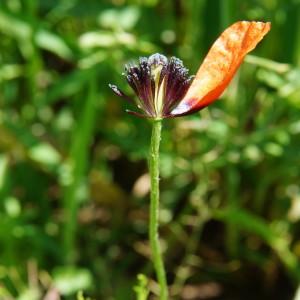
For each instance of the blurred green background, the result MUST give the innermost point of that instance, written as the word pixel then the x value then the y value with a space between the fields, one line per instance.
pixel 74 190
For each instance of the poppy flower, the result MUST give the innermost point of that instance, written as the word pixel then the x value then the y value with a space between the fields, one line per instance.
pixel 163 87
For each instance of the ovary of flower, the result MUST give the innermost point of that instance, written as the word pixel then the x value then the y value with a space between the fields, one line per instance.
pixel 159 90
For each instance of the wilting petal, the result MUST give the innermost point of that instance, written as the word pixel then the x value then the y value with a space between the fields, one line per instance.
pixel 220 64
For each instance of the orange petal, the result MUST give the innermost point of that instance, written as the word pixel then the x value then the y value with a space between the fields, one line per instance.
pixel 221 63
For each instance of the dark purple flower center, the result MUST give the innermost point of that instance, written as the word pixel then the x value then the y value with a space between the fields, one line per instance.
pixel 159 83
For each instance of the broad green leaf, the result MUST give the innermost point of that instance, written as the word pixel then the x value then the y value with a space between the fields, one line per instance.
pixel 45 154
pixel 125 18
pixel 20 29
pixel 30 294
pixel 11 71
pixel 69 280
pixel 54 43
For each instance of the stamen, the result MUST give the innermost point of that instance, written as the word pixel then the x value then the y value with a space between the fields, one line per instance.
pixel 159 82
pixel 119 93
pixel 116 90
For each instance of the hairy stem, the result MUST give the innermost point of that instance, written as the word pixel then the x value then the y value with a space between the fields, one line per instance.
pixel 154 210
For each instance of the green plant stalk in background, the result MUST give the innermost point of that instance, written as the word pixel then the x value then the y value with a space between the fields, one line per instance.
pixel 78 164
pixel 154 210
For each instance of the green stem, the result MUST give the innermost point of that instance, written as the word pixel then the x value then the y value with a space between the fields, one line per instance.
pixel 154 210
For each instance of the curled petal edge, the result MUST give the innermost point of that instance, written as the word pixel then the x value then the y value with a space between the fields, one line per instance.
pixel 221 63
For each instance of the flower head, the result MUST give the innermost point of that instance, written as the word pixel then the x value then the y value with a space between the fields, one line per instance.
pixel 159 83
pixel 164 88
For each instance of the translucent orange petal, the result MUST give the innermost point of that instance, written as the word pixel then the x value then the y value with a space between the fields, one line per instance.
pixel 221 63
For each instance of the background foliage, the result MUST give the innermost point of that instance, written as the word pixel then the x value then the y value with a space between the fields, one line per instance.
pixel 73 171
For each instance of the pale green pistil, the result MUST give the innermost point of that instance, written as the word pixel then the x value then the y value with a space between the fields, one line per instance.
pixel 159 89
